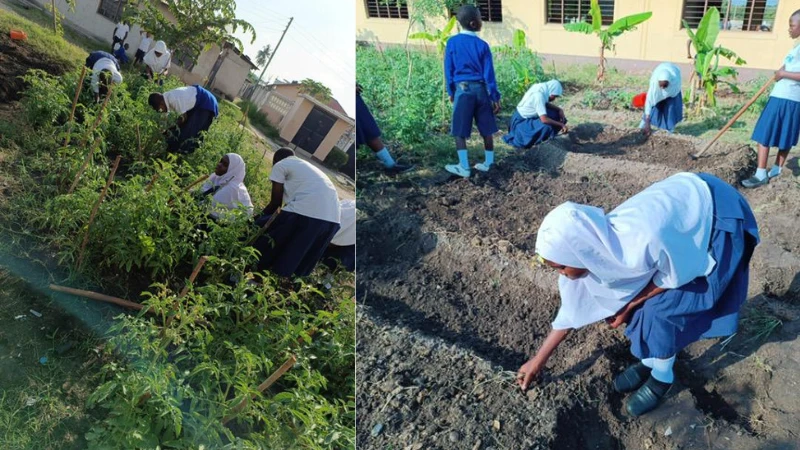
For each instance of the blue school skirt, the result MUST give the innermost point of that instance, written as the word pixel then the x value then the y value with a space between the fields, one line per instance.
pixel 366 127
pixel 667 113
pixel 709 306
pixel 471 102
pixel 294 244
pixel 779 124
pixel 525 133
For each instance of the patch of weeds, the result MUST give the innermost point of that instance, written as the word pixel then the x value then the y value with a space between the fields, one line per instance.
pixel 760 325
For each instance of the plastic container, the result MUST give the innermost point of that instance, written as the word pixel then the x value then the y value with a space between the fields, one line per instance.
pixel 639 100
pixel 19 35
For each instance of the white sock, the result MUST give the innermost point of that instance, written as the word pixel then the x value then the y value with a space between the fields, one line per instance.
pixel 648 362
pixel 489 157
pixel 384 157
pixel 761 173
pixel 463 159
pixel 775 171
pixel 662 369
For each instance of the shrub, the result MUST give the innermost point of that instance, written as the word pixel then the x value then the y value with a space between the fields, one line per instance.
pixel 259 119
pixel 336 158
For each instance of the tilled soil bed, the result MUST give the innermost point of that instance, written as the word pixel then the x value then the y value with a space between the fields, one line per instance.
pixel 452 306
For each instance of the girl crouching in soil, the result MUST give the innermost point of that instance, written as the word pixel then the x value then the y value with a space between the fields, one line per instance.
pixel 672 262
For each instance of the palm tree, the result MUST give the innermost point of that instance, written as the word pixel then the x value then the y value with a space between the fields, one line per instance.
pixel 263 55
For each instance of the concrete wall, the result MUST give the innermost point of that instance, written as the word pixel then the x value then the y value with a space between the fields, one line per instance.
pixel 294 120
pixel 659 39
pixel 231 74
pixel 201 69
pixel 333 136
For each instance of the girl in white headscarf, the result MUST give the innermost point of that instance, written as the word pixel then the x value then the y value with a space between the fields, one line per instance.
pixel 663 106
pixel 536 119
pixel 672 262
pixel 226 187
pixel 158 60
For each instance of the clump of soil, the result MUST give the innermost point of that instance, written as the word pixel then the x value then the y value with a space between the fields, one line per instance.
pixel 16 58
pixel 729 162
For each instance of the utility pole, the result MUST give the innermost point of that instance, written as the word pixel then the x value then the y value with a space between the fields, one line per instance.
pixel 270 58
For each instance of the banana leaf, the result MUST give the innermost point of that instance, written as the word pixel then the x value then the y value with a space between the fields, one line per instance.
pixel 597 16
pixel 628 23
pixel 708 30
pixel 579 27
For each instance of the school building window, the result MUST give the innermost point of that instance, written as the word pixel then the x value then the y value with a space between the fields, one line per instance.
pixel 491 10
pixel 111 9
pixel 387 9
pixel 735 15
pixel 572 11
pixel 183 58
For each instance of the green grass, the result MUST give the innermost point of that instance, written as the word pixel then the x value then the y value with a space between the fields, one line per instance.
pixel 43 40
pixel 45 21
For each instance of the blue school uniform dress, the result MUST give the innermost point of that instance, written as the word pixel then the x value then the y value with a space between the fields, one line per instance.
pixel 779 123
pixel 97 55
pixel 121 56
pixel 665 106
pixel 366 127
pixel 469 74
pixel 708 306
pixel 525 128
pixel 199 118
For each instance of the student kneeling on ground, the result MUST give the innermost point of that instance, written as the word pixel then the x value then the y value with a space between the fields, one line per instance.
pixel 105 70
pixel 368 133
pixel 663 106
pixel 672 262
pixel 226 188
pixel 536 119
pixel 309 219
pixel 120 53
pixel 198 109
pixel 342 249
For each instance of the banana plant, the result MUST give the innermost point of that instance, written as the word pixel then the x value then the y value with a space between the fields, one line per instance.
pixel 439 37
pixel 707 56
pixel 606 36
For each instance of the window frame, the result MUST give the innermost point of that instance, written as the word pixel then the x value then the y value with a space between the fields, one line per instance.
pixel 582 16
pixel 400 8
pixel 117 16
pixel 727 14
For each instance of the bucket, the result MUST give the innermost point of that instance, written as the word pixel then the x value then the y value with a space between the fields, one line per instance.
pixel 19 35
pixel 639 100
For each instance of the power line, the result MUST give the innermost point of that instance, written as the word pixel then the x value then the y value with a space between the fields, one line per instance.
pixel 332 68
pixel 340 64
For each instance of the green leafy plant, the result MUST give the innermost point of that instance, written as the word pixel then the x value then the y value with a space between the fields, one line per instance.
pixel 316 89
pixel 437 37
pixel 525 67
pixel 337 158
pixel 706 61
pixel 607 35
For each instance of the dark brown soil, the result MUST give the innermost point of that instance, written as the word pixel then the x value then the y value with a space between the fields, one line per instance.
pixel 451 307
pixel 15 60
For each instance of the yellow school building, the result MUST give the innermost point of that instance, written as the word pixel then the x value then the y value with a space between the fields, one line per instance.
pixel 755 29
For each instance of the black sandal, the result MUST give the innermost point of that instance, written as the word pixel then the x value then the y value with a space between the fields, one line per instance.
pixel 648 397
pixel 632 378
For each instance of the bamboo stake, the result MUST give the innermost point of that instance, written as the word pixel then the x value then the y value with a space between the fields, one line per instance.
pixel 139 142
pixel 189 188
pixel 152 182
pixel 262 387
pixel 99 115
pixel 733 119
pixel 75 105
pixel 184 291
pixel 96 207
pixel 97 296
pixel 84 165
pixel 264 228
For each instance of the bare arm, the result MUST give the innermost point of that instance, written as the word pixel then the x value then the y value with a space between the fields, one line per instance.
pixel 650 291
pixel 783 74
pixel 532 368
pixel 276 199
pixel 548 121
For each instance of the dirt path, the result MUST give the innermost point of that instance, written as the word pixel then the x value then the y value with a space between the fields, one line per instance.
pixel 451 307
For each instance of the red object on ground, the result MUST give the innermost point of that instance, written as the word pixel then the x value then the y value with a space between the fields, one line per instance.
pixel 19 35
pixel 639 100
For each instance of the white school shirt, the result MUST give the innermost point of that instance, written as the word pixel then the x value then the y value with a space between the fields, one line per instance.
pixel 347 231
pixel 306 190
pixel 785 88
pixel 157 64
pixel 99 66
pixel 144 44
pixel 534 102
pixel 122 30
pixel 181 100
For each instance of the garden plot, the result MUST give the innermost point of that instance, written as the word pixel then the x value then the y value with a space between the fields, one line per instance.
pixel 450 300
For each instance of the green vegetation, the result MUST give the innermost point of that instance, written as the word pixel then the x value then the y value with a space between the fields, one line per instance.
pixel 337 158
pixel 606 36
pixel 259 119
pixel 316 89
pixel 171 376
pixel 52 47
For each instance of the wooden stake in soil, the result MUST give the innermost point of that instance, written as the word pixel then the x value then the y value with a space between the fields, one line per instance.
pixel 139 142
pixel 262 387
pixel 97 296
pixel 96 207
pixel 152 182
pixel 185 290
pixel 75 105
pixel 733 119
pixel 85 164
pixel 99 116
pixel 264 228
pixel 189 187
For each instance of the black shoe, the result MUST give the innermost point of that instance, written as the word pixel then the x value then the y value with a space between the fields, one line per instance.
pixel 632 378
pixel 398 169
pixel 647 397
pixel 754 182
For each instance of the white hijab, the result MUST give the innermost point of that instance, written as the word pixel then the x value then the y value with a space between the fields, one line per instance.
pixel 661 234
pixel 231 192
pixel 664 72
pixel 534 102
pixel 158 64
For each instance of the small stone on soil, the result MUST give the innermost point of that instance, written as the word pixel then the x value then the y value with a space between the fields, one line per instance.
pixel 496 425
pixel 376 430
pixel 504 246
pixel 477 445
pixel 454 436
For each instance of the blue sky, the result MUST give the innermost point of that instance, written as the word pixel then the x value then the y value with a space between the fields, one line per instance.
pixel 320 43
